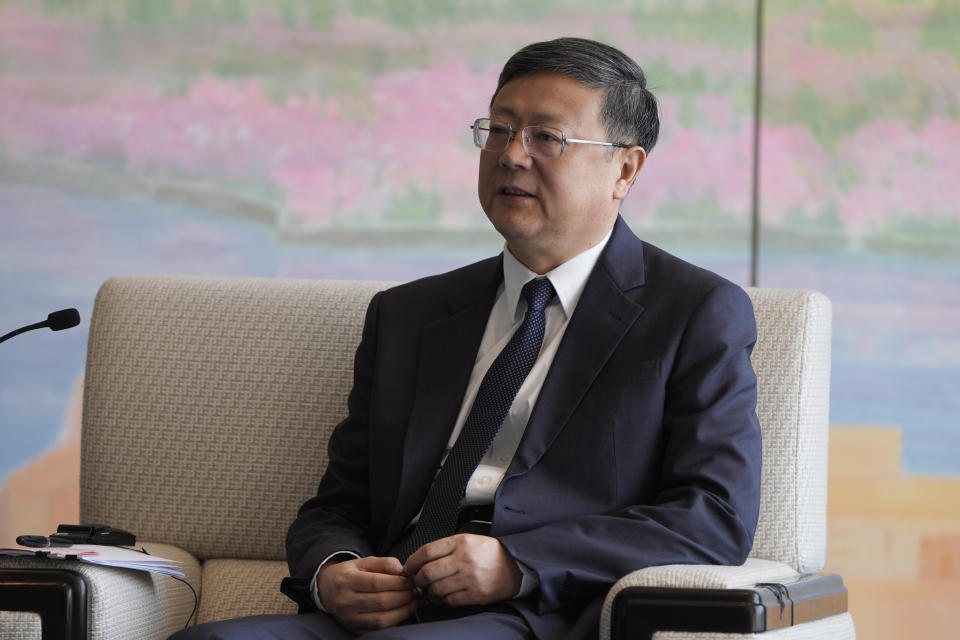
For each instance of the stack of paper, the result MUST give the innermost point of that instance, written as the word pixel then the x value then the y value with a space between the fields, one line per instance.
pixel 103 555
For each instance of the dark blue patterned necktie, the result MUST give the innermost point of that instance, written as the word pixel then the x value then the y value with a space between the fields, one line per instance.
pixel 498 389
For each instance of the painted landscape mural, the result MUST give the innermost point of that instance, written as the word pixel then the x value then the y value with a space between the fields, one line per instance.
pixel 330 139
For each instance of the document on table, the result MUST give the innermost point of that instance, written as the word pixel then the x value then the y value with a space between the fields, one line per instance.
pixel 103 555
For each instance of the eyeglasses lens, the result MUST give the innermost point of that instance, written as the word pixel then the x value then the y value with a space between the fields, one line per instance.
pixel 538 141
pixel 543 142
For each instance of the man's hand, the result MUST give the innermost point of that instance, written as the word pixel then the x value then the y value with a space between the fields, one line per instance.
pixel 465 569
pixel 366 594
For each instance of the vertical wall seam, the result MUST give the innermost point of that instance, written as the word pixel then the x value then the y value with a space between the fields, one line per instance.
pixel 757 116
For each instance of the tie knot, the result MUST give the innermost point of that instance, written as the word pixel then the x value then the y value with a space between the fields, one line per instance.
pixel 538 293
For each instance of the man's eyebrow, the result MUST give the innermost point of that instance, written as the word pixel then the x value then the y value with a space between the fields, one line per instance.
pixel 537 118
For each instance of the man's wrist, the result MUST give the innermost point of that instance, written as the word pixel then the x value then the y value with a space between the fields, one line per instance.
pixel 337 556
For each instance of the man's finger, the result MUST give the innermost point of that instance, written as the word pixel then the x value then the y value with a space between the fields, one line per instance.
pixel 443 587
pixel 383 601
pixel 428 553
pixel 431 572
pixel 374 574
pixel 366 582
pixel 377 564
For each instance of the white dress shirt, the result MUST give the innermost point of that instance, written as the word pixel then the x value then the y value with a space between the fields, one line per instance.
pixel 506 316
pixel 568 280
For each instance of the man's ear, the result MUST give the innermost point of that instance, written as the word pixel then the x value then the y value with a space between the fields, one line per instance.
pixel 630 162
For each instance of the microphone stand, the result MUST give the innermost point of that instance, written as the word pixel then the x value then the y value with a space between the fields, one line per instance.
pixel 39 325
pixel 57 321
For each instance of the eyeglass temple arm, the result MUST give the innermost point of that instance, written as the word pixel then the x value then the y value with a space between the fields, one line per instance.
pixel 605 144
pixel 576 140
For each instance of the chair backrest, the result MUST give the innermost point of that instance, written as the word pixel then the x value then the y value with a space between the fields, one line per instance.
pixel 208 403
pixel 792 361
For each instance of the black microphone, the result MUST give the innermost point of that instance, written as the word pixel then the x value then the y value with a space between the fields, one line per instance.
pixel 63 319
pixel 57 321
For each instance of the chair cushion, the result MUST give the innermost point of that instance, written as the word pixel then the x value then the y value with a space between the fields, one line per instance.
pixel 236 588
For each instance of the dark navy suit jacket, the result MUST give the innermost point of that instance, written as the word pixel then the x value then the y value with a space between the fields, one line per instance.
pixel 643 447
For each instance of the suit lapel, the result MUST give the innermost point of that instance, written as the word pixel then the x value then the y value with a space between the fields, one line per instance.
pixel 448 350
pixel 603 316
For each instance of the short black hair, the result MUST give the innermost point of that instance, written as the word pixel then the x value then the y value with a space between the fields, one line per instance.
pixel 629 113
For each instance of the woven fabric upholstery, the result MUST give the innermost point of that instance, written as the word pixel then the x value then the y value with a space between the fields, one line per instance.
pixel 838 627
pixel 792 361
pixel 20 625
pixel 124 604
pixel 706 576
pixel 209 401
pixel 236 588
pixel 208 404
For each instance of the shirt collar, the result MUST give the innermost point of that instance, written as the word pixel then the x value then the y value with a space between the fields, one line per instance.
pixel 568 280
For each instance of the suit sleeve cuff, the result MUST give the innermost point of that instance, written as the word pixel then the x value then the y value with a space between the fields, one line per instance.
pixel 530 580
pixel 313 583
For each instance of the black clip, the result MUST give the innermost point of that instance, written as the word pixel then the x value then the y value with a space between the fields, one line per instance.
pixel 782 594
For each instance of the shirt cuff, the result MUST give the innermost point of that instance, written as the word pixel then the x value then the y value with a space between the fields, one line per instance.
pixel 529 582
pixel 313 583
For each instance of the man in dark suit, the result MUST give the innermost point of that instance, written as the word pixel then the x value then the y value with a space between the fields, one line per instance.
pixel 465 499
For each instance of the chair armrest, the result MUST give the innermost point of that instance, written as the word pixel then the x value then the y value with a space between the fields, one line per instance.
pixel 122 603
pixel 706 576
pixel 42 603
pixel 705 598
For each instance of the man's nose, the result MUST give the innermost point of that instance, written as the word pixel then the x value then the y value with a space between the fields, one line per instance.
pixel 515 155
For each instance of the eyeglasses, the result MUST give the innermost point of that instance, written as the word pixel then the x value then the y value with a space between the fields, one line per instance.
pixel 538 141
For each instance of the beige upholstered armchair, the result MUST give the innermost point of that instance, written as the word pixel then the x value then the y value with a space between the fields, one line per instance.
pixel 207 406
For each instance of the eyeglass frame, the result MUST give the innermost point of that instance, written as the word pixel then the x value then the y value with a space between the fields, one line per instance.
pixel 523 139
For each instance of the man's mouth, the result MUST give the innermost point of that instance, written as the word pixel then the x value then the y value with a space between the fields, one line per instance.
pixel 515 191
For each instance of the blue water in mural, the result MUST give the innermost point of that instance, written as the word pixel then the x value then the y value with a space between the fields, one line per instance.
pixel 896 354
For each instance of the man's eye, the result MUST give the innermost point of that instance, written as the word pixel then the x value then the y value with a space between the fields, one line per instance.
pixel 498 131
pixel 547 138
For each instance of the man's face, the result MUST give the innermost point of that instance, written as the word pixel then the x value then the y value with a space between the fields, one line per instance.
pixel 551 209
